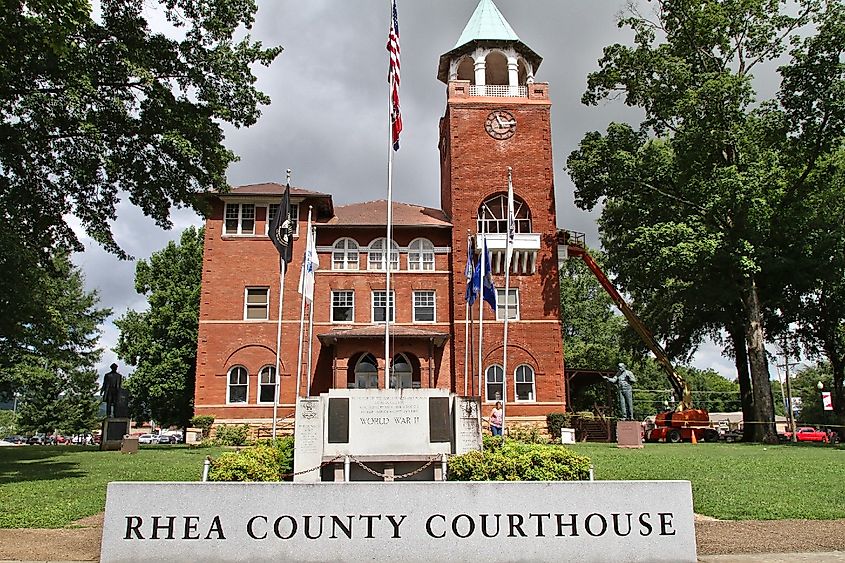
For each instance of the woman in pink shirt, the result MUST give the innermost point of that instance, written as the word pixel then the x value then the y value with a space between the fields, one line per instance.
pixel 496 419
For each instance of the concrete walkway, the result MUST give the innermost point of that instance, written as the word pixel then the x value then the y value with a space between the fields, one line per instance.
pixel 815 557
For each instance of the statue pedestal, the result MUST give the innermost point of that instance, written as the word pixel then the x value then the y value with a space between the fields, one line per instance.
pixel 629 434
pixel 114 429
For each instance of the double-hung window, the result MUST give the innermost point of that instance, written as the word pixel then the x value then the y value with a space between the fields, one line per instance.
pixel 524 383
pixel 377 253
pixel 240 219
pixel 256 303
pixel 267 384
pixel 380 307
pixel 495 383
pixel 421 255
pixel 237 385
pixel 509 306
pixel 343 306
pixel 345 255
pixel 424 306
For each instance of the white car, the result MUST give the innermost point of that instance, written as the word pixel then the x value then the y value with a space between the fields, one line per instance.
pixel 147 439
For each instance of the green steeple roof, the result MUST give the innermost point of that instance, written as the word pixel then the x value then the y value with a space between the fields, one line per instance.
pixel 487 22
pixel 486 26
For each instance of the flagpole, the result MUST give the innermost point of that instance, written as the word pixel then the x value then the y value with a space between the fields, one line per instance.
pixel 481 308
pixel 302 309
pixel 282 268
pixel 313 232
pixel 508 252
pixel 466 323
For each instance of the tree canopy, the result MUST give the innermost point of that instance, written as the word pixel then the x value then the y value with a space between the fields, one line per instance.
pixel 162 341
pixel 95 108
pixel 695 200
pixel 53 374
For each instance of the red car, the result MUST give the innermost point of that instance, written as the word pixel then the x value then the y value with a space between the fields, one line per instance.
pixel 808 434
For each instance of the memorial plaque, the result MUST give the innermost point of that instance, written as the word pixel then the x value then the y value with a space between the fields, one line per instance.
pixel 338 420
pixel 116 429
pixel 308 453
pixel 439 421
pixel 467 424
pixel 585 521
pixel 629 434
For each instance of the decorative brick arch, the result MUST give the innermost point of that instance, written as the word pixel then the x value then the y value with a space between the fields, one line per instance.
pixel 252 357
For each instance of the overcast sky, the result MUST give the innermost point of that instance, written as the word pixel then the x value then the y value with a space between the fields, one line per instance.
pixel 328 117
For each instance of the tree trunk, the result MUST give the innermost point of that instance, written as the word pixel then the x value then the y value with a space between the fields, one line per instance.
pixel 743 377
pixel 763 421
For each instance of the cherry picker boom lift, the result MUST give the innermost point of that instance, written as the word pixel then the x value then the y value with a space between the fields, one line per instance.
pixel 673 425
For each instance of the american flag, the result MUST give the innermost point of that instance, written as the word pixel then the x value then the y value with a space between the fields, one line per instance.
pixel 393 77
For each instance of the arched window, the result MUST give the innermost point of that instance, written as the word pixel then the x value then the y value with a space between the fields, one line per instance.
pixel 496 69
pixel 524 383
pixel 267 384
pixel 493 215
pixel 466 70
pixel 345 254
pixel 376 255
pixel 401 373
pixel 237 385
pixel 421 254
pixel 366 372
pixel 495 383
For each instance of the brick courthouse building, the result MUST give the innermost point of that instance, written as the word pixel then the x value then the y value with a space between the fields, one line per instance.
pixel 496 116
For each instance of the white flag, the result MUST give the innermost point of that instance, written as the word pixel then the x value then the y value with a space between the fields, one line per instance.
pixel 511 222
pixel 310 264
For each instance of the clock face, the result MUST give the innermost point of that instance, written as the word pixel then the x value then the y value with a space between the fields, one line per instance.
pixel 500 124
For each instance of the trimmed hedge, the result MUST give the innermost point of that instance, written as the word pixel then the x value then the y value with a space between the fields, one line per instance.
pixel 509 460
pixel 557 420
pixel 267 460
pixel 203 421
pixel 231 435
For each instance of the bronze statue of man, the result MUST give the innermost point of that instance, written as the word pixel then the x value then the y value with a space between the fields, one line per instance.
pixel 112 383
pixel 624 381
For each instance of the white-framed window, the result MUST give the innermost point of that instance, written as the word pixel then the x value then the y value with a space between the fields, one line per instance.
pixel 402 373
pixel 376 255
pixel 273 208
pixel 380 306
pixel 256 303
pixel 237 385
pixel 366 373
pixel 509 306
pixel 239 219
pixel 493 215
pixel 345 254
pixel 424 306
pixel 524 383
pixel 267 384
pixel 494 383
pixel 421 254
pixel 343 306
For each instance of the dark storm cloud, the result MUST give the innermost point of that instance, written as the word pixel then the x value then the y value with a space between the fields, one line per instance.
pixel 328 118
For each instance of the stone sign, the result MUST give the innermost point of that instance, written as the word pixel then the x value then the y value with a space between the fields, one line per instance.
pixel 417 521
pixel 308 452
pixel 467 424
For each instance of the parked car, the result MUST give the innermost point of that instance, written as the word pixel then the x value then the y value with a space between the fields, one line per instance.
pixel 37 440
pixel 807 434
pixel 166 439
pixel 147 438
pixel 15 439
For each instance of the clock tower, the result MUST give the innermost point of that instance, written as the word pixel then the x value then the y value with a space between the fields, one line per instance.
pixel 497 117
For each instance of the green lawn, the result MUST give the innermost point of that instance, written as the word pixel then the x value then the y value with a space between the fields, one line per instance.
pixel 738 481
pixel 51 486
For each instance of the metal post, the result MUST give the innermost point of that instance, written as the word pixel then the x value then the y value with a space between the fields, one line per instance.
pixel 443 465
pixel 592 473
pixel 206 466
pixel 346 469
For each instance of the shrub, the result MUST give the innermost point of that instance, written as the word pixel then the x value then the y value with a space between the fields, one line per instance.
pixel 231 435
pixel 203 421
pixel 557 420
pixel 527 434
pixel 509 460
pixel 268 460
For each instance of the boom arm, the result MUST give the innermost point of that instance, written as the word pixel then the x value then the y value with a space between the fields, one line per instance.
pixel 678 383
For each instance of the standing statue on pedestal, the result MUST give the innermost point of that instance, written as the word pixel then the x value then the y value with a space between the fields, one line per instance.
pixel 111 391
pixel 624 381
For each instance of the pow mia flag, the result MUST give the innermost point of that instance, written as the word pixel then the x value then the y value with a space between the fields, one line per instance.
pixel 281 229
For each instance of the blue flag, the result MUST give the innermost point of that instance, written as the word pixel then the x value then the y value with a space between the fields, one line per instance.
pixel 489 292
pixel 473 285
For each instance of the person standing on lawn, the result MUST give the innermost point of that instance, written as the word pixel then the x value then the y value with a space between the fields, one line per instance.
pixel 497 418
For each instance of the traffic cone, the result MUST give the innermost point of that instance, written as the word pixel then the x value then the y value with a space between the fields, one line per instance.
pixel 694 441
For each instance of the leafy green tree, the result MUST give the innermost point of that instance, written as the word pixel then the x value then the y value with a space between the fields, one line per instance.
pixel 162 341
pixel 805 387
pixel 95 105
pixel 8 423
pixel 54 372
pixel 694 200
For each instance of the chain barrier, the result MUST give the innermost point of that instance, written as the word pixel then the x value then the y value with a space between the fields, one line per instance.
pixel 394 477
pixel 210 461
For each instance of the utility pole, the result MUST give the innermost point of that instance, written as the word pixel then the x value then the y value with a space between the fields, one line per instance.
pixel 789 412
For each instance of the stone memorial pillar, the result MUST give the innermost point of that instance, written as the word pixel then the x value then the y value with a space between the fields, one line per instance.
pixel 629 434
pixel 308 452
